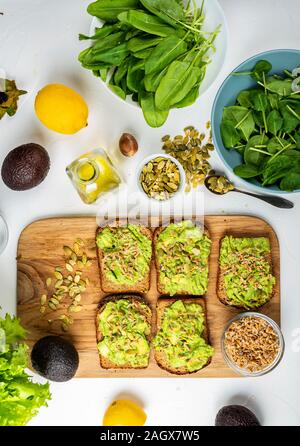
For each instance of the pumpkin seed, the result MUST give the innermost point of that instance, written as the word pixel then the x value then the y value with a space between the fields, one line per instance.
pixel 58 283
pixel 67 250
pixel 48 282
pixel 54 301
pixel 69 267
pixel 58 275
pixel 42 309
pixel 51 305
pixel 77 278
pixel 193 154
pixel 75 308
pixel 43 299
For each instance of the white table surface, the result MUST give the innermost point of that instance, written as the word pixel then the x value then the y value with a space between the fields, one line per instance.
pixel 39 45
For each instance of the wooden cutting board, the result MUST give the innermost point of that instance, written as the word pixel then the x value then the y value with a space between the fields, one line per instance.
pixel 40 251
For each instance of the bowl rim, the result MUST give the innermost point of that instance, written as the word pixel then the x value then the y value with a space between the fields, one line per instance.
pixel 242 180
pixel 152 157
pixel 276 328
pixel 128 100
pixel 3 222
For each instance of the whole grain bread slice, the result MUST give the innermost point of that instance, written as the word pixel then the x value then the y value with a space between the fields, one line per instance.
pixel 221 290
pixel 161 357
pixel 160 286
pixel 138 300
pixel 108 286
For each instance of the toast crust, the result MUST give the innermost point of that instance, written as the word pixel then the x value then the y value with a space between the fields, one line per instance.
pixel 109 287
pixel 221 291
pixel 105 363
pixel 162 304
pixel 160 288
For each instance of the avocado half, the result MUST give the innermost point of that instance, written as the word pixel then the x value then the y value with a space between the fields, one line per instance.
pixel 55 358
pixel 235 415
pixel 25 167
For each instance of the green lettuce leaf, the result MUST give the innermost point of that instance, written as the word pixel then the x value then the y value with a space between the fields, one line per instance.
pixel 20 398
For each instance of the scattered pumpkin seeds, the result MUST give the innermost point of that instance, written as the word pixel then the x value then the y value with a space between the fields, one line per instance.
pixel 160 178
pixel 67 285
pixel 192 153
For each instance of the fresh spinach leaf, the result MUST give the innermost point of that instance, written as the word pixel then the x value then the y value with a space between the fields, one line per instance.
pixel 281 87
pixel 244 98
pixel 164 53
pixel 247 171
pixel 241 118
pixel 170 11
pixel 109 10
pixel 291 181
pixel 137 44
pixel 274 122
pixel 153 116
pixel 261 69
pixel 229 133
pixel 276 169
pixel 118 91
pixel 178 81
pixel 152 81
pixel 253 152
pixel 146 22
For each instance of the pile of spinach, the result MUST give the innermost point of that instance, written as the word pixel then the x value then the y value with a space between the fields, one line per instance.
pixel 153 50
pixel 264 127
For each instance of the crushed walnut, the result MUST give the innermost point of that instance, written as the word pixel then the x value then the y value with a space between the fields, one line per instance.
pixel 251 343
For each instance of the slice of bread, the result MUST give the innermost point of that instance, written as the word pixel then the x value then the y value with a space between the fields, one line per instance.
pixel 221 291
pixel 137 300
pixel 161 357
pixel 108 286
pixel 160 286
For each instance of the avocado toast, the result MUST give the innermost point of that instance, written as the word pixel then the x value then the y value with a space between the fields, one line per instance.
pixel 181 344
pixel 123 326
pixel 124 255
pixel 182 254
pixel 245 278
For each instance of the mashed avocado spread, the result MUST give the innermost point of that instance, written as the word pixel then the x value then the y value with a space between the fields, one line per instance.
pixel 180 337
pixel 247 272
pixel 182 252
pixel 127 253
pixel 125 327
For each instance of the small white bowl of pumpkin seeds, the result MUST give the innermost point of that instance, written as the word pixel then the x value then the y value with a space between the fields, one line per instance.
pixel 160 177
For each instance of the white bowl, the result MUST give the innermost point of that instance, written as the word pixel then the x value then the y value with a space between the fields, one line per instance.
pixel 214 16
pixel 174 160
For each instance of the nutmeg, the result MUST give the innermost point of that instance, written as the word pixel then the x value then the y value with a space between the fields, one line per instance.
pixel 128 144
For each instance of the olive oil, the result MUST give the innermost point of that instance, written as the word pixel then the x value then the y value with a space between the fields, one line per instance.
pixel 93 175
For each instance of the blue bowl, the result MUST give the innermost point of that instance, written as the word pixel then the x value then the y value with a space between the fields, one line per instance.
pixel 227 94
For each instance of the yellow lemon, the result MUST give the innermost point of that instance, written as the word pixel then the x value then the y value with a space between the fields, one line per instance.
pixel 124 413
pixel 61 109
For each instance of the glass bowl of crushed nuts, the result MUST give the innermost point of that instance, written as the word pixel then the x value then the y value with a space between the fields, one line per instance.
pixel 252 344
pixel 160 177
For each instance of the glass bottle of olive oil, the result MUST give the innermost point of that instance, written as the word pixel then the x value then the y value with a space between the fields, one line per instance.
pixel 92 175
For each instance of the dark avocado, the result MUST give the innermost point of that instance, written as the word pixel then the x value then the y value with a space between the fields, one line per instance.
pixel 25 167
pixel 235 415
pixel 55 358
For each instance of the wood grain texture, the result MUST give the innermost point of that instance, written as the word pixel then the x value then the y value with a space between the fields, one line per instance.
pixel 40 251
